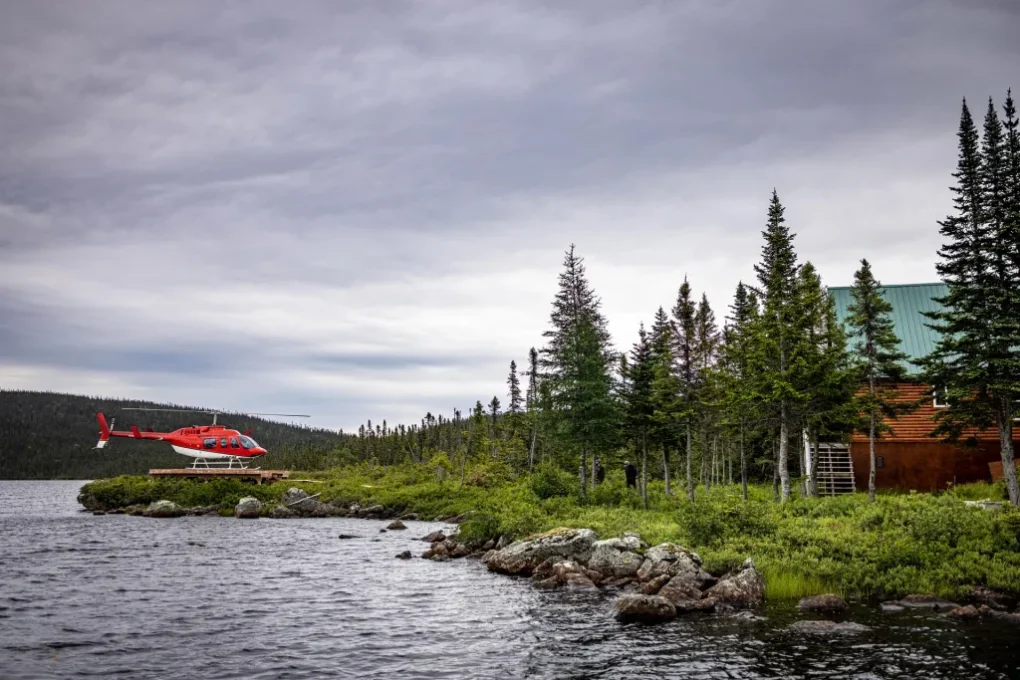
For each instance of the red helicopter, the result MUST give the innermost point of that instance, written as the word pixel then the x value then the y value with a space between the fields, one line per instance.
pixel 210 445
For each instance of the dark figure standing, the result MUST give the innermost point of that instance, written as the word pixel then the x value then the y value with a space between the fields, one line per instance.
pixel 631 471
pixel 600 472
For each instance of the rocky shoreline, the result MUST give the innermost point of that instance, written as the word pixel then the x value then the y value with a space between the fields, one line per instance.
pixel 651 583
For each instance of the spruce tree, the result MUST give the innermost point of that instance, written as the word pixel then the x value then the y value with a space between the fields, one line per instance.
pixel 738 389
pixel 686 353
pixel 638 403
pixel 878 355
pixel 514 385
pixel 777 333
pixel 706 346
pixel 666 393
pixel 977 357
pixel 584 392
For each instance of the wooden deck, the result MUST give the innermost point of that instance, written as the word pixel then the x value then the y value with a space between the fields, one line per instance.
pixel 258 476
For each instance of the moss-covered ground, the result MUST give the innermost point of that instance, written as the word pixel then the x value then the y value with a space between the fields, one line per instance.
pixel 902 543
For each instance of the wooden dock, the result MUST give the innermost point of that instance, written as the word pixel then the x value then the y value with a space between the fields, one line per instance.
pixel 258 476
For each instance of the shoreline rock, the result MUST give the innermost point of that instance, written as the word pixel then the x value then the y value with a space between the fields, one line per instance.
pixel 164 509
pixel 644 609
pixel 248 507
pixel 830 603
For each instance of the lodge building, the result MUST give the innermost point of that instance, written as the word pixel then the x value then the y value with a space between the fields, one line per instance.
pixel 907 456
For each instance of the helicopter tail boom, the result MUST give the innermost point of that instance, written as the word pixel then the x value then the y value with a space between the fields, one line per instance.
pixel 104 431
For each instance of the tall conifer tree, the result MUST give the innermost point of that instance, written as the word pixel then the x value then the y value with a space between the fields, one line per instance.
pixel 878 355
pixel 686 355
pixel 777 333
pixel 638 401
pixel 977 357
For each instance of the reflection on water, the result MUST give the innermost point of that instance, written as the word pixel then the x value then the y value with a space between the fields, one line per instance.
pixel 211 597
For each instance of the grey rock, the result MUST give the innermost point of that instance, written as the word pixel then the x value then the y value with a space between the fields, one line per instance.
pixel 681 588
pixel 615 557
pixel 927 602
pixel 282 512
pixel 522 557
pixel 672 560
pixel 892 607
pixel 248 508
pixel 395 525
pixel 655 585
pixel 164 509
pixel 823 627
pixel 347 536
pixel 434 536
pixel 406 555
pixel 829 603
pixel 644 608
pixel 742 589
pixel 968 612
pixel 693 605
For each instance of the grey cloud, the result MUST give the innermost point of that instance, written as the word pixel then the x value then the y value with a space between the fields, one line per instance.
pixel 338 145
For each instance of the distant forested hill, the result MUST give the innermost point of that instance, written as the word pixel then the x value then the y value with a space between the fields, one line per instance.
pixel 47 435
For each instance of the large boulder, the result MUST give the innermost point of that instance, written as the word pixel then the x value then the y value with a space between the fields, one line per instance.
pixel 248 508
pixel 298 501
pixel 282 512
pixel 615 557
pixel 742 589
pixel 644 608
pixel 522 557
pixel 681 588
pixel 396 524
pixel 668 559
pixel 830 603
pixel 164 509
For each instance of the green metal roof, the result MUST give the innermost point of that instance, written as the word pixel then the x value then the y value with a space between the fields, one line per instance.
pixel 908 301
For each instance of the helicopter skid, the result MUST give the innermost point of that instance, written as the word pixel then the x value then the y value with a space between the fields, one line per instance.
pixel 209 459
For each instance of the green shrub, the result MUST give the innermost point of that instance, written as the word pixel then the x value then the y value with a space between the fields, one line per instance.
pixel 479 527
pixel 549 481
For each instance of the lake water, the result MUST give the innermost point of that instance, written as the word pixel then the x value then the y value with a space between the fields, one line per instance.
pixel 210 597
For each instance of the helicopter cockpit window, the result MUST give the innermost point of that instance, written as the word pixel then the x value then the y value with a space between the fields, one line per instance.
pixel 209 443
pixel 248 442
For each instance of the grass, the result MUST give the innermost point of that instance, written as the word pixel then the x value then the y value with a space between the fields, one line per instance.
pixel 902 543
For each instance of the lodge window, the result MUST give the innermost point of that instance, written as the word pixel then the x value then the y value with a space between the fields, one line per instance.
pixel 209 443
pixel 879 461
pixel 939 398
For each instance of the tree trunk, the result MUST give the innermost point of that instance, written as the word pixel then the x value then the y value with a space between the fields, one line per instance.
pixel 665 466
pixel 704 459
pixel 1004 416
pixel 743 463
pixel 784 453
pixel 591 482
pixel 775 471
pixel 871 442
pixel 584 470
pixel 644 470
pixel 531 450
pixel 690 477
pixel 813 483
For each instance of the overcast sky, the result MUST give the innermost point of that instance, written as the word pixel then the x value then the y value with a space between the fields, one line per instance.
pixel 359 209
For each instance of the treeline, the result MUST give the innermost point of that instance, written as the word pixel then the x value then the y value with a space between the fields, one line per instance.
pixel 706 403
pixel 699 399
pixel 47 435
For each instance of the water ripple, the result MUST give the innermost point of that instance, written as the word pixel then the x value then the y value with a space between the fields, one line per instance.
pixel 106 596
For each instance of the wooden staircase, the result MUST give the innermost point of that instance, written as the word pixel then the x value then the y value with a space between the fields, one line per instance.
pixel 835 469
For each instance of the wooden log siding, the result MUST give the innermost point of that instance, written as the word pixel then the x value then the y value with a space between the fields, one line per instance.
pixel 917 426
pixel 912 459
